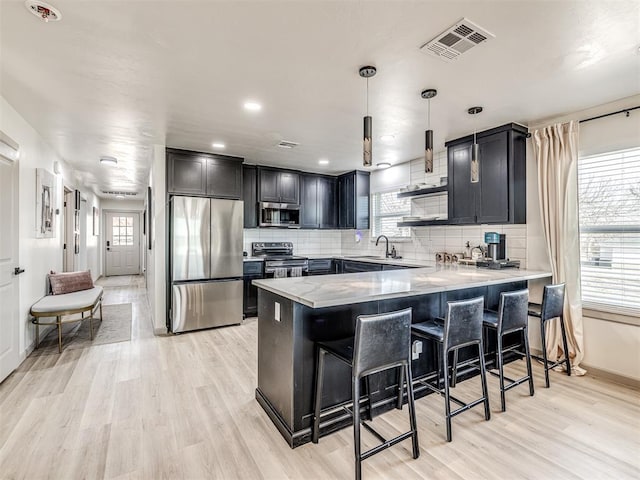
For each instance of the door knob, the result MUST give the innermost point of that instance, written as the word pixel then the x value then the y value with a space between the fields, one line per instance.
pixel 18 271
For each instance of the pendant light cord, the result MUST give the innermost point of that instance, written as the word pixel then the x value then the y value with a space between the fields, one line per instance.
pixel 429 115
pixel 367 96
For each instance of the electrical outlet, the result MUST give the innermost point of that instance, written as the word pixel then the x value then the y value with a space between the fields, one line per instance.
pixel 276 314
pixel 416 349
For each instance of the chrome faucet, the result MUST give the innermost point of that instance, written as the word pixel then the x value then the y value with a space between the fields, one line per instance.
pixel 387 253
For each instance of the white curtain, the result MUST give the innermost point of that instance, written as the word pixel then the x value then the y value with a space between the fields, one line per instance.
pixel 556 151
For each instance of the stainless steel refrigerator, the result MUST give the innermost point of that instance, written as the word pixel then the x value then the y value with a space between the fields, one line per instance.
pixel 205 263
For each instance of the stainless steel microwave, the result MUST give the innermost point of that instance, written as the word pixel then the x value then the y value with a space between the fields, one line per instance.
pixel 283 215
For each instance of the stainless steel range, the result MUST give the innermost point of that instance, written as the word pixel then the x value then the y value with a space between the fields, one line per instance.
pixel 279 260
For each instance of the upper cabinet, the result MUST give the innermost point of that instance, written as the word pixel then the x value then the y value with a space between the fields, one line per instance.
pixel 250 195
pixel 318 201
pixel 279 186
pixel 353 200
pixel 500 194
pixel 206 174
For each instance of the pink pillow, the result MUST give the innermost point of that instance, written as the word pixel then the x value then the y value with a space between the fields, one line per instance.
pixel 68 282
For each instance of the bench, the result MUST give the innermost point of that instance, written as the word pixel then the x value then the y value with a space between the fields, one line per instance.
pixel 81 302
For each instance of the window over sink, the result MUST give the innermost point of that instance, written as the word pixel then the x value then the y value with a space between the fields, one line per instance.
pixel 386 211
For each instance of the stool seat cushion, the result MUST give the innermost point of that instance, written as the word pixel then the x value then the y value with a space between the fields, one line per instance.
pixel 67 301
pixel 430 328
pixel 490 319
pixel 342 348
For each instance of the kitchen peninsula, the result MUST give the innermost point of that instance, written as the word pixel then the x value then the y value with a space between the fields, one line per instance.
pixel 294 313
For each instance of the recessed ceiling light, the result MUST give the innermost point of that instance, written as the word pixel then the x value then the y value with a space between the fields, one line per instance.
pixel 109 160
pixel 218 145
pixel 120 196
pixel 252 106
pixel 387 138
pixel 324 161
pixel 383 165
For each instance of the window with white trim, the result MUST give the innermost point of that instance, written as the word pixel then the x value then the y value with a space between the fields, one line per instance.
pixel 386 211
pixel 609 207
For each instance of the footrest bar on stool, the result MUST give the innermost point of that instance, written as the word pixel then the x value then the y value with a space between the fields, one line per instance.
pixel 515 383
pixel 385 445
pixel 467 406
pixel 373 431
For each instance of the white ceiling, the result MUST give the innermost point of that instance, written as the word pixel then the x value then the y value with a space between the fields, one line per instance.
pixel 115 77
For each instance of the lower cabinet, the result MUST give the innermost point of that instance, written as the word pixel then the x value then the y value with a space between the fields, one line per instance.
pixel 351 266
pixel 251 271
pixel 321 266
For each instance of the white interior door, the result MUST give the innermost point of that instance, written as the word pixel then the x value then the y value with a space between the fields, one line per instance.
pixel 122 243
pixel 9 284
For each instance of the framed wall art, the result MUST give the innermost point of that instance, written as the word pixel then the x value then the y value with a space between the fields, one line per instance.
pixel 45 204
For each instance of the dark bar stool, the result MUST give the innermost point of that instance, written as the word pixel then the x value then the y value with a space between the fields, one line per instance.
pixel 552 307
pixel 381 342
pixel 510 317
pixel 461 327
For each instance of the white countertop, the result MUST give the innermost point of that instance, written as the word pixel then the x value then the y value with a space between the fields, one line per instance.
pixel 344 289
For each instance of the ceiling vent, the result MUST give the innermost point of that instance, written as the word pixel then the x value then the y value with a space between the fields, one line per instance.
pixel 43 10
pixel 456 40
pixel 114 192
pixel 287 144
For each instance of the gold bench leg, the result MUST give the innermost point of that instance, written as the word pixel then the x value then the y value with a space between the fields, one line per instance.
pixel 91 325
pixel 59 334
pixel 37 333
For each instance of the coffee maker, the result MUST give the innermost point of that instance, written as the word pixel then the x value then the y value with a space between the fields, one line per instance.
pixel 497 252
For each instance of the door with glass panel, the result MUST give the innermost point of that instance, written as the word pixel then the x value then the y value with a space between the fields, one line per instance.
pixel 122 243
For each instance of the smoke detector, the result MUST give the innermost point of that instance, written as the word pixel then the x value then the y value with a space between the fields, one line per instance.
pixel 43 10
pixel 287 144
pixel 456 40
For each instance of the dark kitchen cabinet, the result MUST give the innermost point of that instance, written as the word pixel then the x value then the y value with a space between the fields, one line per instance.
pixel 353 200
pixel 206 174
pixel 351 266
pixel 321 266
pixel 251 271
pixel 250 195
pixel 500 194
pixel 318 203
pixel 279 186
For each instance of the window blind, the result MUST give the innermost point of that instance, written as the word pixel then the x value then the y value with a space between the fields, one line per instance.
pixel 387 211
pixel 609 209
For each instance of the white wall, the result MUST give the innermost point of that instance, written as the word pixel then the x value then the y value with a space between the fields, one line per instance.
pixel 38 255
pixel 609 346
pixel 156 257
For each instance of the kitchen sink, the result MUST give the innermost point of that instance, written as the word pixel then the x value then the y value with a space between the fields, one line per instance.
pixel 366 256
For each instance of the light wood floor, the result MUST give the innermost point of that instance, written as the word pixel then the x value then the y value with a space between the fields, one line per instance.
pixel 184 407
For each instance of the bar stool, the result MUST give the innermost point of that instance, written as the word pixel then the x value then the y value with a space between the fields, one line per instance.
pixel 552 307
pixel 381 342
pixel 461 327
pixel 510 317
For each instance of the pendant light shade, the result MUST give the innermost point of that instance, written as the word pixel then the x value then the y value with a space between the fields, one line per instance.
pixel 367 159
pixel 367 138
pixel 428 134
pixel 475 150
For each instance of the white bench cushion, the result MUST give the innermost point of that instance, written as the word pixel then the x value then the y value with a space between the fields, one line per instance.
pixel 67 301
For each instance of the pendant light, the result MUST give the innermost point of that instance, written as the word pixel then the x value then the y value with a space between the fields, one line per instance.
pixel 475 150
pixel 428 134
pixel 367 158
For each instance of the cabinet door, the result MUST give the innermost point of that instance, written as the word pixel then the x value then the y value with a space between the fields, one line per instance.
pixel 461 192
pixel 362 189
pixel 350 266
pixel 309 201
pixel 250 196
pixel 327 202
pixel 187 174
pixel 346 201
pixel 289 186
pixel 268 185
pixel 224 178
pixel 493 192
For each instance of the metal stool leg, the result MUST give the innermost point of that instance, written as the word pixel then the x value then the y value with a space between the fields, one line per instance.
pixel 501 373
pixel 318 396
pixel 544 353
pixel 412 413
pixel 369 402
pixel 483 376
pixel 447 404
pixel 400 387
pixel 565 345
pixel 454 369
pixel 525 334
pixel 355 389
